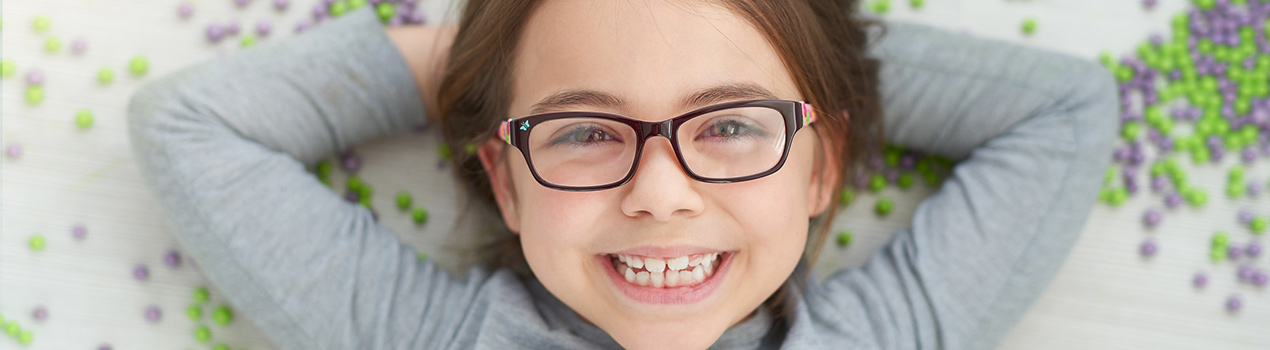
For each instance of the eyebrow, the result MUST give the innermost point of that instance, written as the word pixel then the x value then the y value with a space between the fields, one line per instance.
pixel 591 98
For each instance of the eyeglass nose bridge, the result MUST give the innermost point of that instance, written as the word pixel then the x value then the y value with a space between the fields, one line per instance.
pixel 662 128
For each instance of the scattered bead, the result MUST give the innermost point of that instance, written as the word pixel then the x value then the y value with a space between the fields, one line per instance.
pixel 201 295
pixel 420 216
pixel 263 28
pixel 139 65
pixel 153 314
pixel 1152 217
pixel 281 5
pixel 35 77
pixel 1233 303
pixel 8 68
pixel 1253 250
pixel 1149 248
pixel 203 334
pixel 84 119
pixel 844 238
pixel 1200 280
pixel 883 206
pixel 194 312
pixel 34 95
pixel 79 46
pixel 141 272
pixel 14 150
pixel 403 200
pixel 1029 26
pixel 105 75
pixel 1233 252
pixel 222 315
pixel 40 313
pixel 214 33
pixel 36 243
pixel 172 259
pixel 1259 278
pixel 185 10
pixel 41 24
pixel 53 45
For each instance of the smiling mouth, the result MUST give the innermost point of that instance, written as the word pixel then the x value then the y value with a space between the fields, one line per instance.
pixel 660 272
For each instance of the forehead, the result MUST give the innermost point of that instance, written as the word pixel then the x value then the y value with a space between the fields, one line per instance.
pixel 650 54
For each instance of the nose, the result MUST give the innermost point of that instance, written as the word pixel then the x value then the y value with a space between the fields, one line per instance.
pixel 661 188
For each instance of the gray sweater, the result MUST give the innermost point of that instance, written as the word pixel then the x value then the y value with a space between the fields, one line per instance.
pixel 224 146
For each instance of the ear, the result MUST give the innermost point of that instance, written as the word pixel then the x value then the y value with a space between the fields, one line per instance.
pixel 492 158
pixel 825 173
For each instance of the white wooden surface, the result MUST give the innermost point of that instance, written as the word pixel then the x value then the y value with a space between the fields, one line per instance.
pixel 1105 297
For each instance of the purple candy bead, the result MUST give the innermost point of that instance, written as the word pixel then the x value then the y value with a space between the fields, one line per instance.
pixel 172 259
pixel 1150 4
pixel 185 10
pixel 1120 154
pixel 281 5
pixel 1216 154
pixel 1244 273
pixel 1159 183
pixel 1233 303
pixel 352 196
pixel 1259 278
pixel 79 46
pixel 40 314
pixel 301 27
pixel 35 77
pixel 351 164
pixel 263 28
pixel 1200 280
pixel 1245 216
pixel 416 18
pixel 891 175
pixel 1233 252
pixel 1248 155
pixel 215 33
pixel 1172 200
pixel 233 28
pixel 242 3
pixel 1253 250
pixel 79 232
pixel 1152 217
pixel 907 161
pixel 1149 248
pixel 105 347
pixel 14 150
pixel 141 273
pixel 153 314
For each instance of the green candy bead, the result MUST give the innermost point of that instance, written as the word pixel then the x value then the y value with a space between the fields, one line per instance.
pixel 84 119
pixel 223 315
pixel 354 183
pixel 221 346
pixel 892 158
pixel 844 238
pixel 444 151
pixel 421 256
pixel 385 10
pixel 877 183
pixel 883 207
pixel 203 334
pixel 247 41
pixel 338 8
pixel 12 328
pixel 931 179
pixel 41 23
pixel 420 216
pixel 8 68
pixel 1236 173
pixel 52 45
pixel 324 168
pixel 105 75
pixel 1258 225
pixel 916 4
pixel 905 181
pixel 194 312
pixel 1236 190
pixel 1117 197
pixel 1220 239
pixel 356 4
pixel 403 200
pixel 1029 26
pixel 25 337
pixel 201 295
pixel 34 94
pixel 880 6
pixel 846 196
pixel 1218 255
pixel 470 149
pixel 139 65
pixel 36 243
pixel 366 191
pixel 1196 197
pixel 1131 131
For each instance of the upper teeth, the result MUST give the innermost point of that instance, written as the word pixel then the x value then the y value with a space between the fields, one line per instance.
pixel 683 270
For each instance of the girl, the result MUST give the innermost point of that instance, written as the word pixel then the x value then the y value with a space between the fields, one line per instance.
pixel 664 170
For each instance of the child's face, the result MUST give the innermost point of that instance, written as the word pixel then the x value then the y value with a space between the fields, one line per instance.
pixel 651 54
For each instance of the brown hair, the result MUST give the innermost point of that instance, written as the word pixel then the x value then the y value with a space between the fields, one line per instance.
pixel 821 42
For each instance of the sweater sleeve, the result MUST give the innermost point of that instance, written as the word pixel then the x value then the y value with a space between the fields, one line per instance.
pixel 1034 132
pixel 223 147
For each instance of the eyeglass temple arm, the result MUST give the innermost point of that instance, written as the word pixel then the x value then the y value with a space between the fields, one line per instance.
pixel 809 114
pixel 505 130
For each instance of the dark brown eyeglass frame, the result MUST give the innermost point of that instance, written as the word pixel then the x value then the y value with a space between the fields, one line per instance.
pixel 797 114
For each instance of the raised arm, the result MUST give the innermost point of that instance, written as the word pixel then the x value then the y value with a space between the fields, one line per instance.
pixel 1034 132
pixel 223 146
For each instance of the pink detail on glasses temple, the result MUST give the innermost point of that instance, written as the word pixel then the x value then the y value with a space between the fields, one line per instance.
pixel 505 131
pixel 809 114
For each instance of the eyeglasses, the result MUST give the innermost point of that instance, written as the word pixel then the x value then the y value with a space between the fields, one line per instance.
pixel 724 143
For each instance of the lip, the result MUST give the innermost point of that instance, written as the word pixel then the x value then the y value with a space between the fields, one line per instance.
pixel 676 295
pixel 666 252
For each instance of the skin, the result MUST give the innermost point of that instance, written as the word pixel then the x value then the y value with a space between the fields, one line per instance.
pixel 650 54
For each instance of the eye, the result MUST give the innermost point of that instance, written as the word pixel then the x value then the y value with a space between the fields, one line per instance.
pixel 584 135
pixel 728 129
